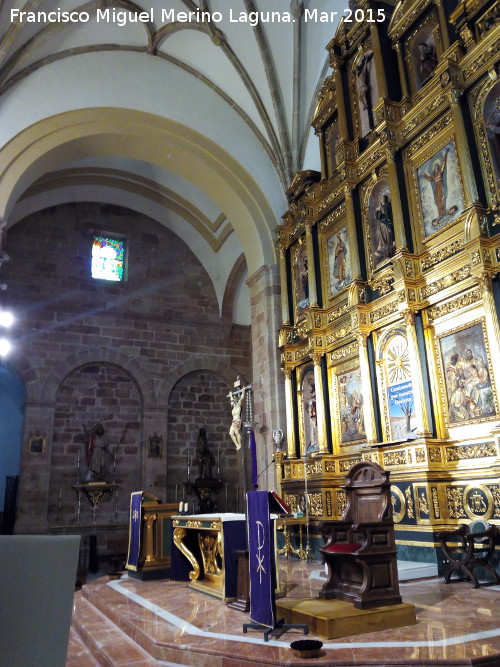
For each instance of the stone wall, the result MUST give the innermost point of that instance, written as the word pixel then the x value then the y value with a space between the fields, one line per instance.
pixel 92 350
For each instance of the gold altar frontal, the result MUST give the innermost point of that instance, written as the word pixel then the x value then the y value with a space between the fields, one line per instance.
pixel 331 619
pixel 208 542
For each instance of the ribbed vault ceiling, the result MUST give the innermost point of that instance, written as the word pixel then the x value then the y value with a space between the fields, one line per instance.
pixel 250 90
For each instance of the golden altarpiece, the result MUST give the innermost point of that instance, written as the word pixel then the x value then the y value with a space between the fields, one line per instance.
pixel 390 341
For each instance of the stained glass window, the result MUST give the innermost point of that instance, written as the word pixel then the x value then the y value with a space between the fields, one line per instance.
pixel 108 258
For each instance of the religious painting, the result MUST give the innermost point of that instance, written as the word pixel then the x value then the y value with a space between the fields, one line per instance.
pixel 423 48
pixel 425 59
pixel 309 415
pixel 339 261
pixel 352 423
pixel 381 223
pixel 467 375
pixel 154 446
pixel 398 398
pixel 36 444
pixel 300 279
pixel 367 90
pixel 491 115
pixel 440 190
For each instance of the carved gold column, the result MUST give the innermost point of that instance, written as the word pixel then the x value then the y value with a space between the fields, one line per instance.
pixel 423 425
pixel 468 176
pixel 368 411
pixel 430 337
pixel 149 524
pixel 490 316
pixel 290 427
pixel 311 270
pixel 379 64
pixel 285 309
pixel 334 409
pixel 320 405
pixel 397 210
pixel 336 63
pixel 401 68
pixel 351 217
pixel 278 461
pixel 443 24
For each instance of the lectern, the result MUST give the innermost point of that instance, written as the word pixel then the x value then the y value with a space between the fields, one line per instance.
pixel 150 531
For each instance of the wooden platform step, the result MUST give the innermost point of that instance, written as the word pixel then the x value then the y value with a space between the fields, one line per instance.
pixel 331 619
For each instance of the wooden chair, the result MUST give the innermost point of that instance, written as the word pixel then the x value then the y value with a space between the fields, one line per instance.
pixel 476 544
pixel 360 549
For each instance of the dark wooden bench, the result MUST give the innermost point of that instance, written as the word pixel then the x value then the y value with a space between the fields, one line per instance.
pixel 468 547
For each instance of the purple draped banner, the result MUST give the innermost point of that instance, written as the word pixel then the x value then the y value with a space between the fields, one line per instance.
pixel 134 534
pixel 261 559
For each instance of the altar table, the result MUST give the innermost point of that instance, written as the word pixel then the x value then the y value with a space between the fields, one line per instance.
pixel 204 552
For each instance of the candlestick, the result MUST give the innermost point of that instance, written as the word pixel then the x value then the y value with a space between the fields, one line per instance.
pixel 181 507
pixel 78 469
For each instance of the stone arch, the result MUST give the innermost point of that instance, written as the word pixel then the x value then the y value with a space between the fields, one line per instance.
pixel 199 363
pixel 239 269
pixel 107 355
pixel 52 142
pixel 28 375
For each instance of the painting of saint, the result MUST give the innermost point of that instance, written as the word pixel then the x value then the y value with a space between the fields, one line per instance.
pixel 339 261
pixel 439 189
pixel 492 122
pixel 467 377
pixel 351 407
pixel 310 413
pixel 381 222
pixel 426 59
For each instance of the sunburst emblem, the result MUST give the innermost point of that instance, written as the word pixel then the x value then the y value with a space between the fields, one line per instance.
pixel 398 362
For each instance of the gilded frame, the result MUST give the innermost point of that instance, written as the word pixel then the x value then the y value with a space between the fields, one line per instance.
pixel 349 425
pixel 431 158
pixel 337 270
pixel 466 382
pixel 394 377
pixel 429 25
pixel 37 444
pixel 371 191
pixel 482 104
pixel 306 404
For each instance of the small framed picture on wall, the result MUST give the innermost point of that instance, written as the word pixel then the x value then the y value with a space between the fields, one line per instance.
pixel 154 446
pixel 36 444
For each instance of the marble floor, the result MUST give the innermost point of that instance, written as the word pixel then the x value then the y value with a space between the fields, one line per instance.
pixel 137 624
